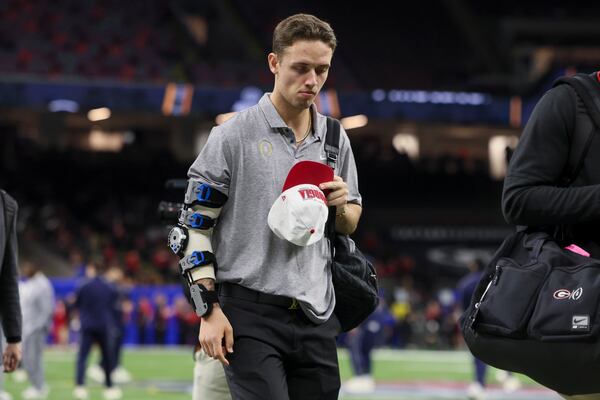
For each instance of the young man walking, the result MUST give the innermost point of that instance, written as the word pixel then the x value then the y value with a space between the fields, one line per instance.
pixel 270 321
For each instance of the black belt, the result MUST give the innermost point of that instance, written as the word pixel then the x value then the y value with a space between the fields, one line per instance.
pixel 240 292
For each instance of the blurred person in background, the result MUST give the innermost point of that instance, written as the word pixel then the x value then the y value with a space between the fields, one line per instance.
pixel 361 342
pixel 77 263
pixel 37 305
pixel 464 290
pixel 10 308
pixel 95 300
pixel 144 318
pixel 114 275
pixel 187 322
pixel 162 315
pixel 402 311
pixel 60 324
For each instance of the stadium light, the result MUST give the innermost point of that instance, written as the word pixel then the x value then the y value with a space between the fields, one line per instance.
pixel 406 143
pixel 100 140
pixel 497 147
pixel 98 114
pixel 63 105
pixel 354 121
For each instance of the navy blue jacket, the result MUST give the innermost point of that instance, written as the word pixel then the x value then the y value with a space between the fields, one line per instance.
pixel 95 301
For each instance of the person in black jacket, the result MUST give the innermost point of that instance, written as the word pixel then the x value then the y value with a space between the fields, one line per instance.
pixel 533 195
pixel 10 308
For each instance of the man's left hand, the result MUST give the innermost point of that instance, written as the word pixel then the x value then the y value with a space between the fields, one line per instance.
pixel 338 195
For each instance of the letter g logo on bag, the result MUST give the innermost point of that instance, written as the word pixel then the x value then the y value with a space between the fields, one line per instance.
pixel 562 294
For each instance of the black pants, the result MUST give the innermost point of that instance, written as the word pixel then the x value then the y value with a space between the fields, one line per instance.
pixel 278 353
pixel 115 341
pixel 87 339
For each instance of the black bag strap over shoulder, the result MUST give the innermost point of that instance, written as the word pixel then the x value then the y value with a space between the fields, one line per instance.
pixel 588 90
pixel 353 276
pixel 332 141
pixel 332 150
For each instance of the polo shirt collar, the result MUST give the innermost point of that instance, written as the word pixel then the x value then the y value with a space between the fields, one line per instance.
pixel 275 120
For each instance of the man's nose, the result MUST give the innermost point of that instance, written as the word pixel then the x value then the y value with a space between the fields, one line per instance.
pixel 311 79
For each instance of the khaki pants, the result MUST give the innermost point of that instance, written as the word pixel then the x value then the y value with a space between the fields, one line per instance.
pixel 593 396
pixel 209 379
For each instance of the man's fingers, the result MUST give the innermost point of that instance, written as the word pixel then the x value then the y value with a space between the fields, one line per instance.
pixel 229 340
pixel 338 194
pixel 220 356
pixel 335 184
pixel 332 186
pixel 10 363
pixel 335 199
pixel 214 349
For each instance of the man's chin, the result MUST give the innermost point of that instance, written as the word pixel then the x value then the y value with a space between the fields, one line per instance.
pixel 303 104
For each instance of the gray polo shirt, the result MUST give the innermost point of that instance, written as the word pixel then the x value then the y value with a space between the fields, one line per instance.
pixel 248 158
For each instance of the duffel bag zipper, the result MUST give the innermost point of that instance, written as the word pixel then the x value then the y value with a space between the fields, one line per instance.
pixel 493 281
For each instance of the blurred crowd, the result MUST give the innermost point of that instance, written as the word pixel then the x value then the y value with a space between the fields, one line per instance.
pixel 410 318
pixel 206 43
pixel 418 313
pixel 153 316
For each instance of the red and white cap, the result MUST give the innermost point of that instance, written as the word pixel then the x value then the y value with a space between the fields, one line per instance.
pixel 299 214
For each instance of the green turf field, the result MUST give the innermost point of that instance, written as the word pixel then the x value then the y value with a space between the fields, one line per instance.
pixel 166 373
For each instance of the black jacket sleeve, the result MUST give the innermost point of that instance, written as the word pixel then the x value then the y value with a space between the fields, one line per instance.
pixel 531 195
pixel 9 280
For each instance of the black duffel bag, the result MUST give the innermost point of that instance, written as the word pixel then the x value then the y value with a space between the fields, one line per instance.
pixel 538 313
pixel 353 275
pixel 536 309
pixel 354 282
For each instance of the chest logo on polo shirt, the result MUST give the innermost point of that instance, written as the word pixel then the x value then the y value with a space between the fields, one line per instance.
pixel 265 148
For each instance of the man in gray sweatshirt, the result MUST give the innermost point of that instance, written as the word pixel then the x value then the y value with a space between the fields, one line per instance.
pixel 37 305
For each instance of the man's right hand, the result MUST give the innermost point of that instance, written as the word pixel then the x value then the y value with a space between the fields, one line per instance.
pixel 216 335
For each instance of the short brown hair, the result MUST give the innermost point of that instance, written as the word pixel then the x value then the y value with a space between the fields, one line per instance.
pixel 302 27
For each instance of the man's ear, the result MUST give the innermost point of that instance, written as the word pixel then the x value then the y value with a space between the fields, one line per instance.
pixel 273 63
